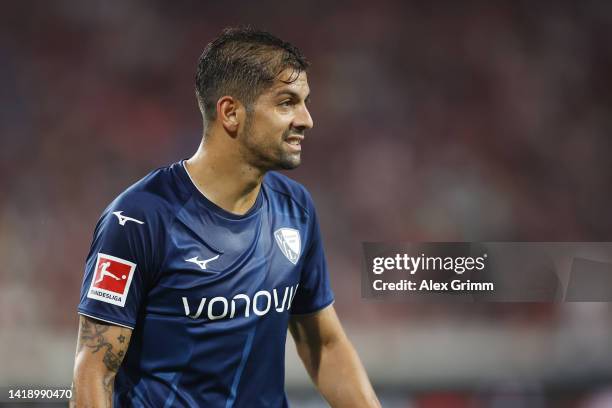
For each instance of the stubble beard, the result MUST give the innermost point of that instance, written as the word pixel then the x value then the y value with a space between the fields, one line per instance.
pixel 287 160
pixel 271 156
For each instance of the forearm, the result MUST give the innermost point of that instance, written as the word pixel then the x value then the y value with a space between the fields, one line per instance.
pixel 339 375
pixel 91 388
pixel 100 351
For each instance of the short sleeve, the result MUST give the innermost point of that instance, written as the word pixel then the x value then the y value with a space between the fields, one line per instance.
pixel 121 263
pixel 314 291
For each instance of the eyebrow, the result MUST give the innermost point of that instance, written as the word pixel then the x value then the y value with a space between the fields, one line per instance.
pixel 293 95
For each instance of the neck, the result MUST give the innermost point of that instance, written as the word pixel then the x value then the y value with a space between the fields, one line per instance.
pixel 224 178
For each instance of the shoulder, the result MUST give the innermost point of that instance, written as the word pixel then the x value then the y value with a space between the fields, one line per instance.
pixel 150 198
pixel 285 189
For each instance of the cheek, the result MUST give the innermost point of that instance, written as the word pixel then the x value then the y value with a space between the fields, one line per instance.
pixel 263 137
pixel 271 131
pixel 269 127
pixel 277 118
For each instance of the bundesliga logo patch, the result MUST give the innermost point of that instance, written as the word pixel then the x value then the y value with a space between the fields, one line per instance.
pixel 111 280
pixel 288 240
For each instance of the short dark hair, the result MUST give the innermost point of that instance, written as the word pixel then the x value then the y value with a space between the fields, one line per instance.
pixel 243 62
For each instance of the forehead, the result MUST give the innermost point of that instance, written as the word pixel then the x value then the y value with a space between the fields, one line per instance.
pixel 298 85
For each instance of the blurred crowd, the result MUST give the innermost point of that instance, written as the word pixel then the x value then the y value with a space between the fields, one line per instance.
pixel 454 121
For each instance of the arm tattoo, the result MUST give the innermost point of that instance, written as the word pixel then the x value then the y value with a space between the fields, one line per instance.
pixel 92 336
pixel 95 336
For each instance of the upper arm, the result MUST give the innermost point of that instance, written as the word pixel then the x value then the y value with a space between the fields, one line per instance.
pixel 123 261
pixel 101 347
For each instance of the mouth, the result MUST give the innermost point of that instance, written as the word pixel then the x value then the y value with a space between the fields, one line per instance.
pixel 294 142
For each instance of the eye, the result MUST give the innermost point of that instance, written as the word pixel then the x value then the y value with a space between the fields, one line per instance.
pixel 285 104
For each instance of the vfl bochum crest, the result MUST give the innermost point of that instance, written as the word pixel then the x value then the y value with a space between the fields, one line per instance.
pixel 288 240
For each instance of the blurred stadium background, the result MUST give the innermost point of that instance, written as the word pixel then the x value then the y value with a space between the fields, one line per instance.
pixel 445 121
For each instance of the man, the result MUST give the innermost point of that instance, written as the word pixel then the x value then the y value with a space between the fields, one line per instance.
pixel 202 266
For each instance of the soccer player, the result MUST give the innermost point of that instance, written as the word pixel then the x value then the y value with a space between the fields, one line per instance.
pixel 197 271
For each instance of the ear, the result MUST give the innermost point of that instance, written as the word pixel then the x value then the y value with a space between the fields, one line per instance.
pixel 229 114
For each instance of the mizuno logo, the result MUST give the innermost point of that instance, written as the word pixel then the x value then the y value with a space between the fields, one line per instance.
pixel 123 219
pixel 202 264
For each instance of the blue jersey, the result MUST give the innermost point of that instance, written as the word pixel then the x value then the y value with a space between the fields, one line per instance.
pixel 207 293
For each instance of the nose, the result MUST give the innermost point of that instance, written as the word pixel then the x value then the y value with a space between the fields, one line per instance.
pixel 303 119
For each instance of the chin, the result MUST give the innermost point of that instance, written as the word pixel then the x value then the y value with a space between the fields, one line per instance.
pixel 289 164
pixel 287 161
